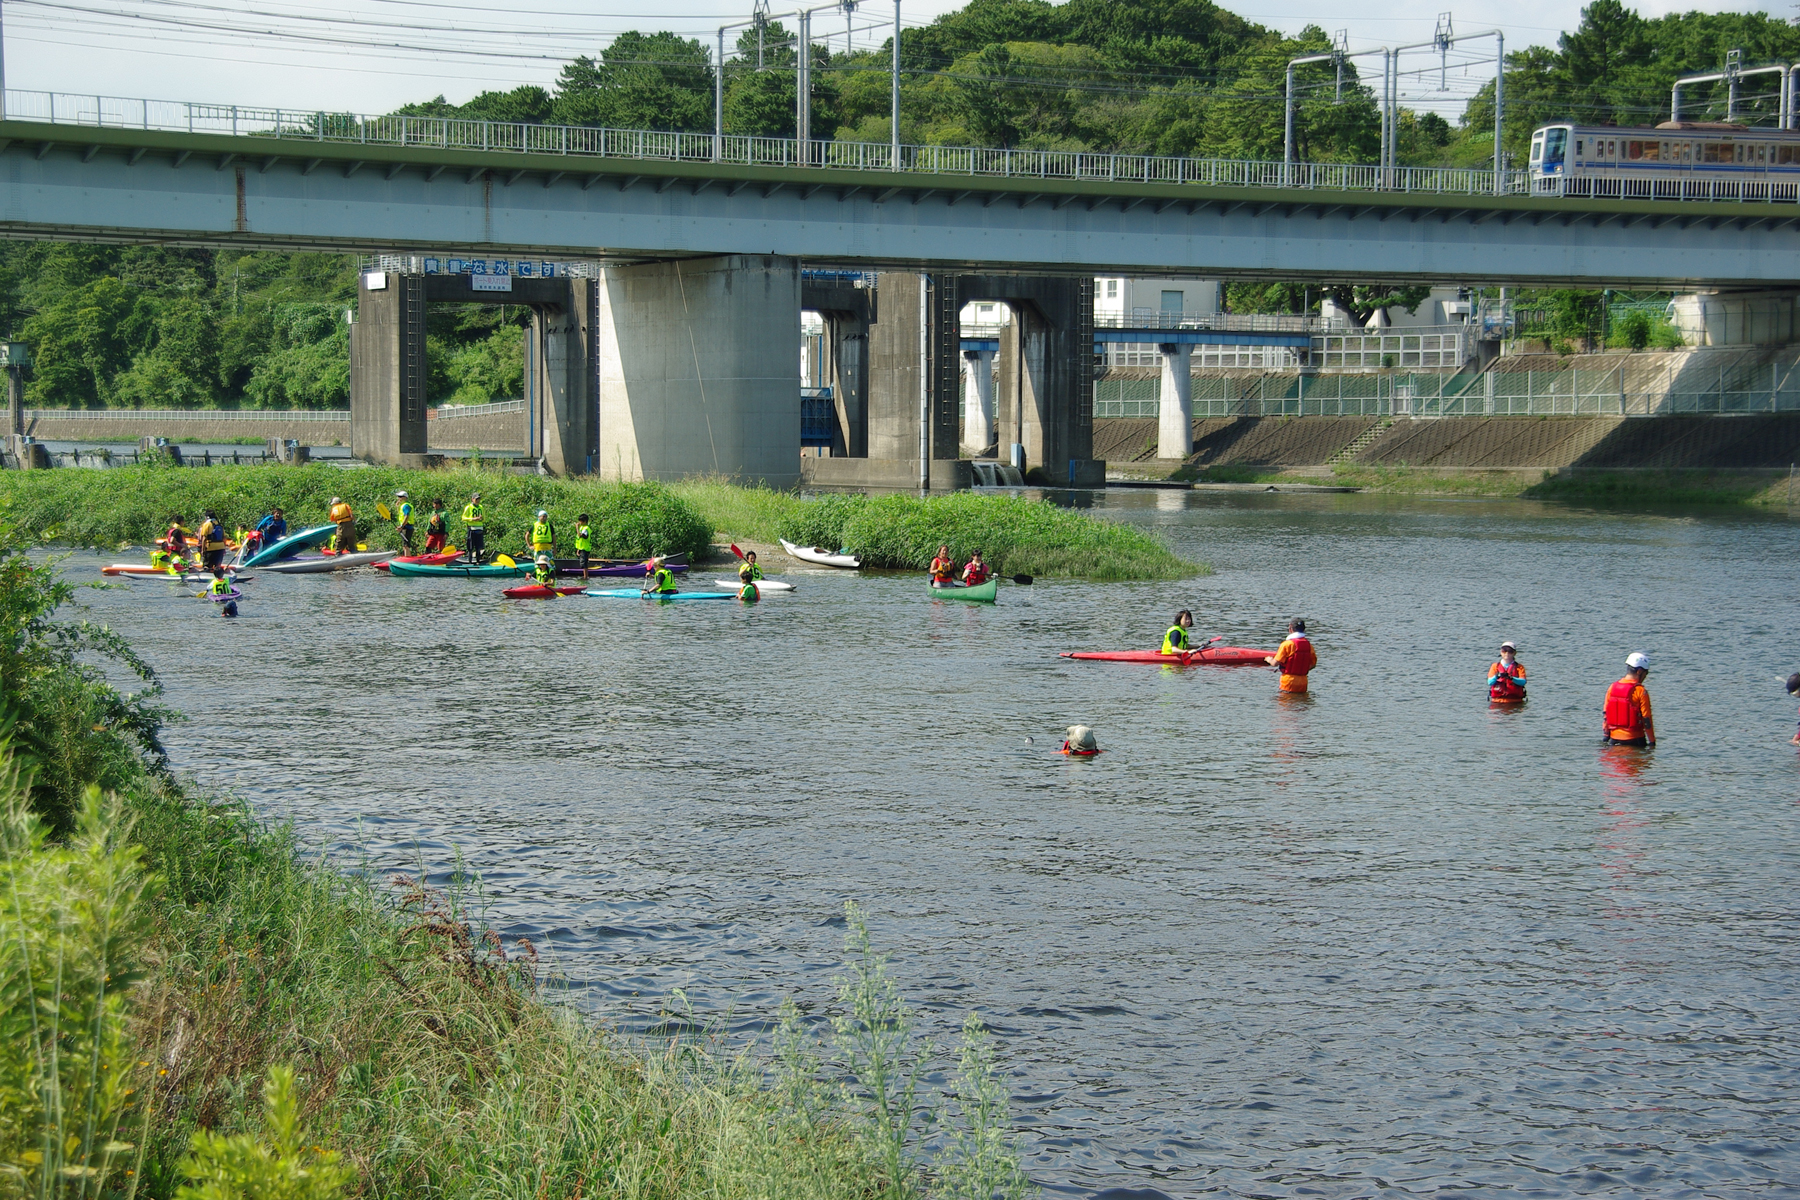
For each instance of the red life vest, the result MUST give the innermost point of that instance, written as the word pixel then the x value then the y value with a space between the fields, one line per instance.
pixel 975 574
pixel 1303 660
pixel 1508 686
pixel 1621 713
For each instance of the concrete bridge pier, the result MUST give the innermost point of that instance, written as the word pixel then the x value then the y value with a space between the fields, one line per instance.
pixel 1046 375
pixel 697 371
pixel 562 392
pixel 1175 416
pixel 847 311
pixel 978 401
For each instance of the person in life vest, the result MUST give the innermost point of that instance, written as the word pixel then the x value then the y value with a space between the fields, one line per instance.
pixel 1176 640
pixel 211 540
pixel 748 570
pixel 660 580
pixel 1295 657
pixel 403 516
pixel 270 529
pixel 474 528
pixel 543 534
pixel 437 528
pixel 175 541
pixel 220 585
pixel 344 517
pixel 748 592
pixel 943 568
pixel 544 570
pixel 1628 720
pixel 1506 678
pixel 1081 742
pixel 584 542
pixel 976 572
pixel 162 560
pixel 1793 689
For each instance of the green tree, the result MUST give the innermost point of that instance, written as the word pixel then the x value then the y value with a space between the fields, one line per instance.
pixel 640 81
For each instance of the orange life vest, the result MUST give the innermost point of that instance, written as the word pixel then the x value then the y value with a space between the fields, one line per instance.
pixel 943 570
pixel 1509 686
pixel 1621 712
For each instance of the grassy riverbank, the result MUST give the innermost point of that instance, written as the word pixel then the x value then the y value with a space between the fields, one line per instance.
pixel 132 505
pixel 166 959
pixel 1015 534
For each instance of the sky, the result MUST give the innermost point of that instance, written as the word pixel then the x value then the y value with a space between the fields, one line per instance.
pixel 373 55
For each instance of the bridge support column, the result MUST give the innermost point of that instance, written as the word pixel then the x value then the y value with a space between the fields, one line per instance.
pixel 1175 417
pixel 388 371
pixel 697 369
pixel 1046 399
pixel 978 401
pixel 564 390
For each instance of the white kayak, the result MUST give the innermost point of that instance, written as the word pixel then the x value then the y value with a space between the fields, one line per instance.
pixel 820 555
pixel 762 585
pixel 329 562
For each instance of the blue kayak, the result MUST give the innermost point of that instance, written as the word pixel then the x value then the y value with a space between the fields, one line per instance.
pixel 291 545
pixel 635 594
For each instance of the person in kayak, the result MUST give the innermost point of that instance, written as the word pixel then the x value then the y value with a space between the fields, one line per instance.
pixel 543 534
pixel 584 542
pixel 544 570
pixel 271 529
pixel 660 580
pixel 344 517
pixel 403 516
pixel 1176 640
pixel 748 570
pixel 943 568
pixel 1628 719
pixel 220 585
pixel 175 541
pixel 1506 678
pixel 976 572
pixel 437 528
pixel 1295 658
pixel 474 528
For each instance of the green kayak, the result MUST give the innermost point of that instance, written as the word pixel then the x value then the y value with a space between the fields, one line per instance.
pixel 984 592
pixel 487 571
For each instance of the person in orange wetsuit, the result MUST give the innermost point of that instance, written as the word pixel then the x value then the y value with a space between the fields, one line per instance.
pixel 943 568
pixel 1295 658
pixel 1628 720
pixel 1506 678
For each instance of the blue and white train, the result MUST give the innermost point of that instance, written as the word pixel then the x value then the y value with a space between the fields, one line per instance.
pixel 1677 160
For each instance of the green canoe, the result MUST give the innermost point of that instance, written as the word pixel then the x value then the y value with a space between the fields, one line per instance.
pixel 984 592
pixel 488 571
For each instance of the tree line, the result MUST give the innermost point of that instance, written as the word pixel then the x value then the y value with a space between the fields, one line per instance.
pixel 193 328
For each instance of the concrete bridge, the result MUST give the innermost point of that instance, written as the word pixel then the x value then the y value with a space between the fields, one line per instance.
pixel 677 357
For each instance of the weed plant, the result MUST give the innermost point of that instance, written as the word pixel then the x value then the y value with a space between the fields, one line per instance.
pixel 129 506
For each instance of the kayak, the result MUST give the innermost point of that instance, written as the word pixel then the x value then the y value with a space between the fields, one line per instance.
pixel 635 594
pixel 626 567
pixel 291 545
pixel 537 591
pixel 143 569
pixel 424 560
pixel 820 555
pixel 233 594
pixel 188 577
pixel 453 571
pixel 328 562
pixel 762 585
pixel 982 592
pixel 1215 656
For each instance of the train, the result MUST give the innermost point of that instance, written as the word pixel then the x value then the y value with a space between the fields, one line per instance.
pixel 1676 160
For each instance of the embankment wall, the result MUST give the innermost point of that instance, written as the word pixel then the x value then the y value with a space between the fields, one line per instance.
pixel 489 431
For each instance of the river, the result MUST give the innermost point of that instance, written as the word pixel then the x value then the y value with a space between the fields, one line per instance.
pixel 1381 941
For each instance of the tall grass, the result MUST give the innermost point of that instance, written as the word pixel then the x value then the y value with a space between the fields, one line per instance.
pixel 132 505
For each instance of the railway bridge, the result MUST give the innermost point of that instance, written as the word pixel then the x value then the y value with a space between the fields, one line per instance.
pixel 674 356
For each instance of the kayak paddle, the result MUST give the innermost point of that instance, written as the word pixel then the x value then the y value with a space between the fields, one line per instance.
pixel 505 560
pixel 736 551
pixel 386 513
pixel 1022 579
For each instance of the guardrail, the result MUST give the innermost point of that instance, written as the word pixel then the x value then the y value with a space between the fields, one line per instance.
pixel 186 414
pixel 455 412
pixel 452 133
pixel 1143 318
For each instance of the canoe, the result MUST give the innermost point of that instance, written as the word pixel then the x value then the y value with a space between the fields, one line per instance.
pixel 820 555
pixel 762 585
pixel 981 592
pixel 143 569
pixel 537 591
pixel 291 545
pixel 423 560
pixel 454 571
pixel 328 562
pixel 635 594
pixel 619 567
pixel 1210 656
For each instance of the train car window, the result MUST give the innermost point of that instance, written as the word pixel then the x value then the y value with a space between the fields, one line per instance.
pixel 1785 155
pixel 1612 148
pixel 1634 150
pixel 1580 147
pixel 1740 153
pixel 1650 154
pixel 1555 141
pixel 1537 149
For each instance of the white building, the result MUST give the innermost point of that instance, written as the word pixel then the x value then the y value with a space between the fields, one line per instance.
pixel 1119 296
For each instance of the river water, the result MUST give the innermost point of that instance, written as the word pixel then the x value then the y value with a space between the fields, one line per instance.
pixel 1381 941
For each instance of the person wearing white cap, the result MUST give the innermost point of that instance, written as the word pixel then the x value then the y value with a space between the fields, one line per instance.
pixel 1506 678
pixel 403 516
pixel 1628 720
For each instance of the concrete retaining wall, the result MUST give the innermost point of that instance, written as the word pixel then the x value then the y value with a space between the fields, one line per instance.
pixel 126 426
pixel 490 431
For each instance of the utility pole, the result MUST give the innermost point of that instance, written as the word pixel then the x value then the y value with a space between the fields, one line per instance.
pixel 18 357
pixel 894 116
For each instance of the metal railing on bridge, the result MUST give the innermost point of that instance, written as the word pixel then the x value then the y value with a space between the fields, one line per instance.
pixel 455 133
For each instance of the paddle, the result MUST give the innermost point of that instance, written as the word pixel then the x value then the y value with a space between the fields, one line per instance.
pixel 505 560
pixel 386 513
pixel 1022 580
pixel 736 551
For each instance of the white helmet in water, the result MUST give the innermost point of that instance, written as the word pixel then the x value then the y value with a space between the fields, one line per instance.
pixel 1638 661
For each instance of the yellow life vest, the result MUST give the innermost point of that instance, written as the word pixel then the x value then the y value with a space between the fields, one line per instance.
pixel 221 586
pixel 472 515
pixel 1175 641
pixel 540 535
pixel 584 540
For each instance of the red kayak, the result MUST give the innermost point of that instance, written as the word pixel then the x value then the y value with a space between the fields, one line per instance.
pixel 537 591
pixel 1215 656
pixel 428 560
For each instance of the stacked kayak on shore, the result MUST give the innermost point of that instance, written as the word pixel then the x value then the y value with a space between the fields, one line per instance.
pixel 308 565
pixel 423 560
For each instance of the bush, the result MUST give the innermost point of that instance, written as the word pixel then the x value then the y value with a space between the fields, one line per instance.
pixel 824 521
